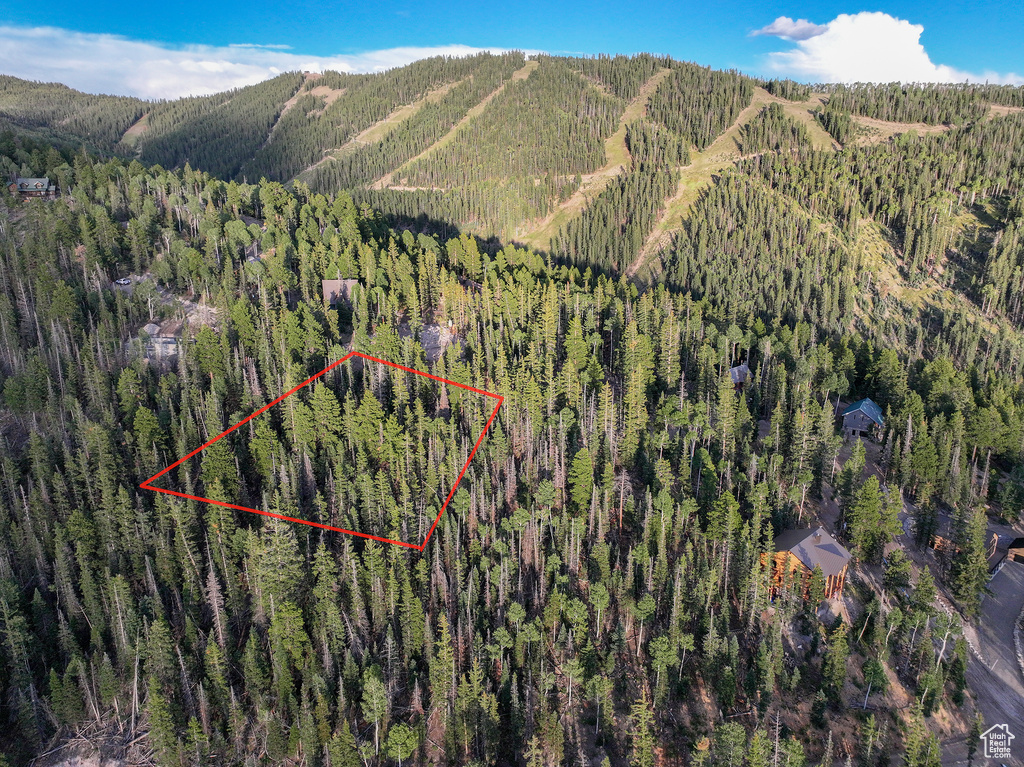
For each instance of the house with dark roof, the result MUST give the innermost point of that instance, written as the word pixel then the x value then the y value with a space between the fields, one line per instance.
pixel 798 552
pixel 862 419
pixel 1015 553
pixel 24 188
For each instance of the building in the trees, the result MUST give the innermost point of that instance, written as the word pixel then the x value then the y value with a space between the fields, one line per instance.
pixel 740 375
pixel 798 552
pixel 862 419
pixel 25 188
pixel 1016 550
pixel 161 342
pixel 337 291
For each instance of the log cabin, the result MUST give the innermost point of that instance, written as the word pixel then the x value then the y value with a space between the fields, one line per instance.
pixel 798 552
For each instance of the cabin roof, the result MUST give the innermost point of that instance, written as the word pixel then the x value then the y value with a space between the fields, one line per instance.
pixel 338 290
pixel 814 547
pixel 29 184
pixel 740 373
pixel 869 408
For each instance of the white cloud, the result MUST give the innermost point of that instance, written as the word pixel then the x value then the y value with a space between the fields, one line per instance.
pixel 260 45
pixel 865 47
pixel 787 29
pixel 98 63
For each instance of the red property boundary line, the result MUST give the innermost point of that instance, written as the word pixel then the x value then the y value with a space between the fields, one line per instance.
pixel 419 547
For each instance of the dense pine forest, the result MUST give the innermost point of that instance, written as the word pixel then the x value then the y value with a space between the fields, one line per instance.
pixel 600 589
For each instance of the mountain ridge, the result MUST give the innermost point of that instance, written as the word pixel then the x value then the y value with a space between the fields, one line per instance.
pixel 602 588
pixel 446 140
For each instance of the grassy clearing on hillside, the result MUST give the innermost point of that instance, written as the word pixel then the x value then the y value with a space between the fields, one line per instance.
pixel 382 128
pixel 887 294
pixel 131 136
pixel 999 110
pixel 520 74
pixel 722 153
pixel 591 185
pixel 874 131
pixel 803 113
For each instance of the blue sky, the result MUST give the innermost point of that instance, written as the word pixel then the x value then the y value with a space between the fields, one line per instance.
pixel 957 40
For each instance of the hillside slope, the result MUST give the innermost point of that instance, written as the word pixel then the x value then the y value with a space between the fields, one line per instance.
pixel 605 559
pixel 600 589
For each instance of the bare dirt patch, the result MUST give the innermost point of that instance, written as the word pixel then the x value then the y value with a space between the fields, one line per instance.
pixel 299 93
pixel 876 131
pixel 329 95
pixel 999 110
pixel 403 188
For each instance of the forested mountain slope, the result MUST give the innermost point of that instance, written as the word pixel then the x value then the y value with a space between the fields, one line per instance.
pixel 497 145
pixel 55 112
pixel 597 589
pixel 523 142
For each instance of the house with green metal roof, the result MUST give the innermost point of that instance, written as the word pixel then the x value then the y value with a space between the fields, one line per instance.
pixel 863 419
pixel 24 188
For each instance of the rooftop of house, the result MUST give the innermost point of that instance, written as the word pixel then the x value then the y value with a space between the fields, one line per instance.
pixel 869 407
pixel 338 289
pixel 740 373
pixel 814 547
pixel 167 330
pixel 30 184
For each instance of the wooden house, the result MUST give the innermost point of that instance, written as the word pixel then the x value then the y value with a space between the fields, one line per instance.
pixel 26 188
pixel 862 419
pixel 161 342
pixel 798 552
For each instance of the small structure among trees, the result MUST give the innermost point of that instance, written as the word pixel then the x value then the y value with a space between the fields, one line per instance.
pixel 1016 550
pixel 337 291
pixel 25 188
pixel 739 375
pixel 799 552
pixel 161 342
pixel 862 419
